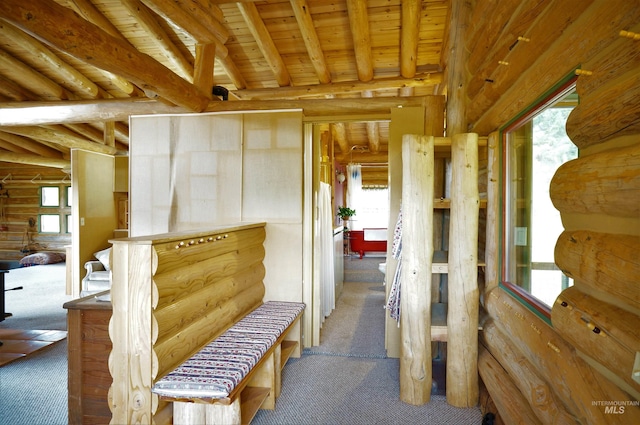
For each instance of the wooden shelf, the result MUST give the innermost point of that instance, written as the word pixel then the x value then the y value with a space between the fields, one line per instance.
pixel 286 349
pixel 445 203
pixel 251 400
pixel 439 331
pixel 440 263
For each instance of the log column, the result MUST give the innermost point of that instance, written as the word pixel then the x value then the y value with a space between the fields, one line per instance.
pixel 464 301
pixel 417 253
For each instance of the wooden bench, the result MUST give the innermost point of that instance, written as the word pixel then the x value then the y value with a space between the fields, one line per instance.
pixel 172 295
pixel 236 374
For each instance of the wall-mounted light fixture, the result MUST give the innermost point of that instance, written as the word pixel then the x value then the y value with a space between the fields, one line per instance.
pixel 340 176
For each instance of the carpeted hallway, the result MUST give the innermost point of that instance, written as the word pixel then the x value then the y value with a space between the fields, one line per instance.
pixel 348 379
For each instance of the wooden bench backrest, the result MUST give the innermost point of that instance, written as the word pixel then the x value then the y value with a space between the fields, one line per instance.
pixel 171 295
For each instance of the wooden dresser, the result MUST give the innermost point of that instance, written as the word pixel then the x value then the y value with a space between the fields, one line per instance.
pixel 89 347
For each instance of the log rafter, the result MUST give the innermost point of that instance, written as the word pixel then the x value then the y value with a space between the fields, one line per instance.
pixel 60 27
pixel 147 20
pixel 265 43
pixel 361 39
pixel 60 136
pixel 373 129
pixel 31 146
pixel 409 37
pixel 39 84
pixel 311 40
pixel 88 11
pixel 42 54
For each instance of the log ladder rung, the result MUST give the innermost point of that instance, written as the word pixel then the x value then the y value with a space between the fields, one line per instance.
pixel 440 262
pixel 439 331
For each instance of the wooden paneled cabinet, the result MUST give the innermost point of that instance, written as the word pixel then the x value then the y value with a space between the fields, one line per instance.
pixel 88 360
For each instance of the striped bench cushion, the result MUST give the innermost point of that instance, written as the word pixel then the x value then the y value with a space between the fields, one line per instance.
pixel 214 372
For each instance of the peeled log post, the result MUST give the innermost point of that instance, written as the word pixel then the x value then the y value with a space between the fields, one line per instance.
pixel 609 263
pixel 512 406
pixel 417 253
pixel 604 332
pixel 464 300
pixel 607 182
pixel 538 393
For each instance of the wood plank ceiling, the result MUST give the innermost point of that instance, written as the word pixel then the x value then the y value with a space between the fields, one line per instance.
pixel 81 67
pixel 90 51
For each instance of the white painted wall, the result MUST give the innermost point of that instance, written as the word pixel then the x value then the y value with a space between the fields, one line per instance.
pixel 197 171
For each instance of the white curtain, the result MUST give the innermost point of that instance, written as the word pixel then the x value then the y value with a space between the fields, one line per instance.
pixel 324 251
pixel 354 189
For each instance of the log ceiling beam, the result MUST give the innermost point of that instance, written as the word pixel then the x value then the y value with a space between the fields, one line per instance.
pixel 31 145
pixel 373 128
pixel 42 54
pixel 109 134
pixel 311 40
pixel 359 20
pixel 202 26
pixel 339 134
pixel 231 70
pixel 265 43
pixel 122 133
pixel 8 146
pixel 204 66
pixel 28 159
pixel 189 19
pixel 148 21
pixel 12 90
pixel 91 133
pixel 88 11
pixel 65 30
pixel 60 136
pixel 39 113
pixel 39 84
pixel 427 79
pixel 409 37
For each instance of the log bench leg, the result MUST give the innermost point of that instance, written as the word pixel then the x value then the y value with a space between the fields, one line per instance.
pixel 208 414
pixel 294 334
pixel 265 377
pixel 277 353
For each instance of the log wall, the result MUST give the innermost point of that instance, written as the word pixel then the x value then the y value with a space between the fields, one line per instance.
pixel 582 368
pixel 171 295
pixel 21 200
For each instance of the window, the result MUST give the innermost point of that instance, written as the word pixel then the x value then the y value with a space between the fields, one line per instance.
pixel 55 205
pixel 49 223
pixel 50 196
pixel 533 148
pixel 372 210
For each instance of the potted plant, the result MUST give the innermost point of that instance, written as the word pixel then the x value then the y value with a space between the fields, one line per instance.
pixel 346 213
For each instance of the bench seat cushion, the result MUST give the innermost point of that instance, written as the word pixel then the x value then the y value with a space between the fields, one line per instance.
pixel 215 370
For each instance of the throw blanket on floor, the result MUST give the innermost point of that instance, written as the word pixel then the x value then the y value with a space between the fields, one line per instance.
pixel 393 303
